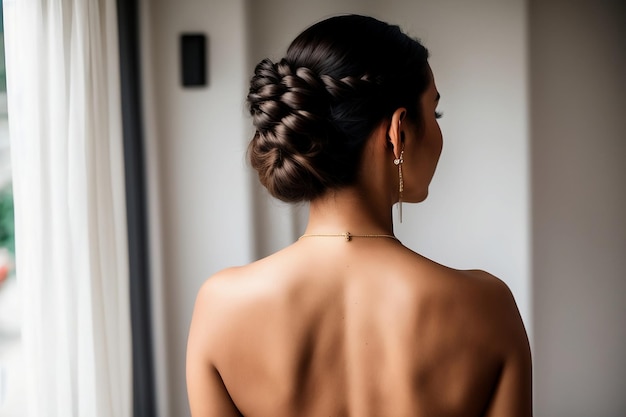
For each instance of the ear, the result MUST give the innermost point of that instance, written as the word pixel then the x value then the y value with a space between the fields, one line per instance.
pixel 395 132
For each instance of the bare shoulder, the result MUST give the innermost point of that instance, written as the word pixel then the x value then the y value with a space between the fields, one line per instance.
pixel 207 393
pixel 513 393
pixel 492 291
pixel 477 297
pixel 214 291
pixel 228 303
pixel 491 301
pixel 496 298
pixel 210 315
pixel 218 302
pixel 470 323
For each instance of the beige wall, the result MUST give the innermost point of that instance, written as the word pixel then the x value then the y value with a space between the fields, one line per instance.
pixel 578 109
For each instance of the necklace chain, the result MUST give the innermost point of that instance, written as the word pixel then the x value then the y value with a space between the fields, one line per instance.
pixel 347 236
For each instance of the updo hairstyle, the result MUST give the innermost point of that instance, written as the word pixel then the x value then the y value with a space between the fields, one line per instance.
pixel 315 109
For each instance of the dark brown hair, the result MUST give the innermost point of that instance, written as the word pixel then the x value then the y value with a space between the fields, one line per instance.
pixel 314 110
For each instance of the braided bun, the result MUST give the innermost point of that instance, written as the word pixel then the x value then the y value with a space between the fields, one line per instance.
pixel 289 110
pixel 315 108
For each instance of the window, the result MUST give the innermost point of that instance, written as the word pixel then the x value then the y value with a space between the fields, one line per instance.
pixel 11 383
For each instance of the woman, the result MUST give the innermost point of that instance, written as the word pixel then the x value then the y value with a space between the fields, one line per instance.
pixel 347 321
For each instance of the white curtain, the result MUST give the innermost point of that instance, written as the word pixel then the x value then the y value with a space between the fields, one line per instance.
pixel 71 249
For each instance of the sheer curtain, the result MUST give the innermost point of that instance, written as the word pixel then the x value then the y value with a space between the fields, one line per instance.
pixel 71 248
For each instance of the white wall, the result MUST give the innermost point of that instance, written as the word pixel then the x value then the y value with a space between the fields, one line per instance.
pixel 210 215
pixel 196 139
pixel 578 99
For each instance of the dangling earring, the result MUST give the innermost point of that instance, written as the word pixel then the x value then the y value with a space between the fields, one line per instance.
pixel 398 162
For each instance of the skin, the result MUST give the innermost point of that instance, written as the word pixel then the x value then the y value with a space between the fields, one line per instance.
pixel 363 328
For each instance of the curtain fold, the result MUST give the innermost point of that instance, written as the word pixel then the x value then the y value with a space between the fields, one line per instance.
pixel 68 177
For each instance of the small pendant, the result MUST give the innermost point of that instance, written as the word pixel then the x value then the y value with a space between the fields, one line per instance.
pixel 347 236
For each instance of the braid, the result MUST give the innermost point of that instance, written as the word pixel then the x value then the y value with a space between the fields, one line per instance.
pixel 294 137
pixel 346 87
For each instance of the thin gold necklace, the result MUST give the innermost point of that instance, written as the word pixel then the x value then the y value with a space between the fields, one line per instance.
pixel 347 236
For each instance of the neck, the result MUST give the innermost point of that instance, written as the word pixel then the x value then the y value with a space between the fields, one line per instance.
pixel 350 210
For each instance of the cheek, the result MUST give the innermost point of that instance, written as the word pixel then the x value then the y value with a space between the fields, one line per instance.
pixel 434 140
pixel 439 137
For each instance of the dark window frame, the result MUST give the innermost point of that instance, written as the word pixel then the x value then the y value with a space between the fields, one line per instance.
pixel 144 404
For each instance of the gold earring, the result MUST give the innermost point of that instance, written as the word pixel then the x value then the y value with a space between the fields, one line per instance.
pixel 398 162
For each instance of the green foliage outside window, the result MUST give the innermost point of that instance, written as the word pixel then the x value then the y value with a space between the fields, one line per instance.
pixel 7 224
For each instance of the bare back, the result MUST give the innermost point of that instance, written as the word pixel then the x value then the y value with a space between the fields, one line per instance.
pixel 362 328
